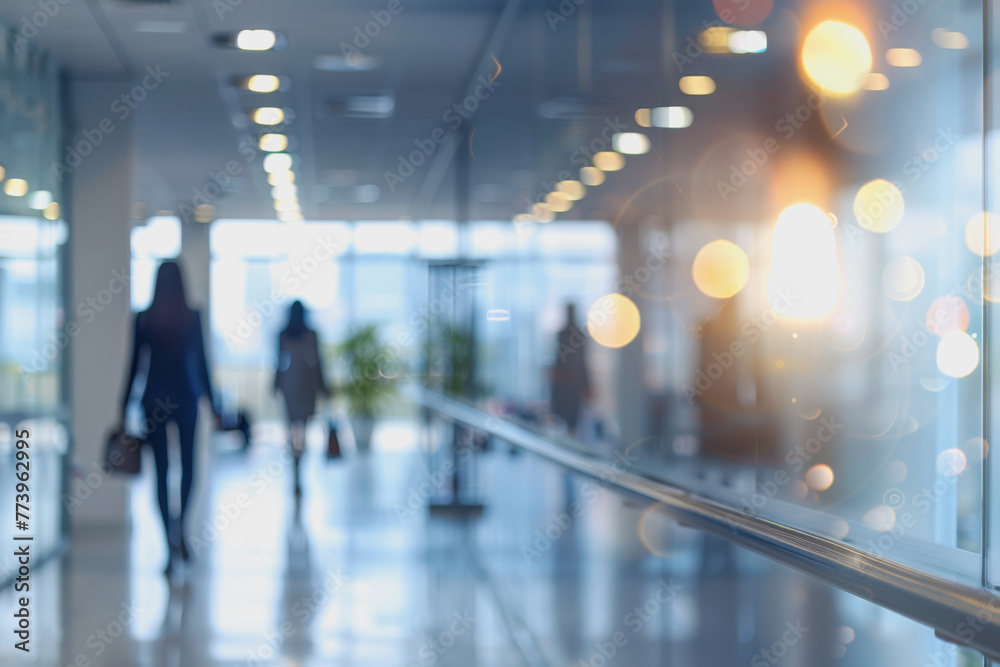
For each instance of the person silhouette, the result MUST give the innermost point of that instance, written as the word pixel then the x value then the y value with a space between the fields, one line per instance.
pixel 570 380
pixel 169 337
pixel 299 379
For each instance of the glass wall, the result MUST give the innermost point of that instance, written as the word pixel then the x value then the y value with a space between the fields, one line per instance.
pixel 35 328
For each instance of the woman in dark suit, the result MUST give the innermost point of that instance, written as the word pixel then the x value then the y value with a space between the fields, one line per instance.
pixel 169 339
pixel 299 379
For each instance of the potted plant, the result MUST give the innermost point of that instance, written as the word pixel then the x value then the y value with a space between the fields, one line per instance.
pixel 373 373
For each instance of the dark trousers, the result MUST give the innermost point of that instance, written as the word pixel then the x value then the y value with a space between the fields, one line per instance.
pixel 186 418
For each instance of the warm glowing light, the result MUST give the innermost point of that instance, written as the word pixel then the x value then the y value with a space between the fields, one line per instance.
pixel 256 40
pixel 947 313
pixel 573 190
pixel 804 278
pixel 592 176
pixel 286 206
pixel 819 477
pixel 836 57
pixel 715 39
pixel 951 462
pixel 558 202
pixel 697 85
pixel 290 216
pixel 51 211
pixel 672 117
pixel 273 143
pixel 880 518
pixel 879 206
pixel 609 161
pixel 948 39
pixel 721 269
pixel 799 176
pixel 630 143
pixel 747 41
pixel 957 354
pixel 902 278
pixel 642 117
pixel 267 115
pixel 613 321
pixel 281 177
pixel 276 162
pixel 903 57
pixel 982 234
pixel 263 83
pixel 204 213
pixel 16 187
pixel 542 213
pixel 876 81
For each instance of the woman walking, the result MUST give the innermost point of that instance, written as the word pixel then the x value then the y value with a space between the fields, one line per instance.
pixel 299 379
pixel 169 338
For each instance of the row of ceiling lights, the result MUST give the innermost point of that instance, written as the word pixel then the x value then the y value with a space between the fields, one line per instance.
pixel 39 200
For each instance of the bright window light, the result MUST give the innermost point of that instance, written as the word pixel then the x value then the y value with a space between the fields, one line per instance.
pixel 384 238
pixel 256 40
pixel 159 238
pixel 438 238
pixel 630 143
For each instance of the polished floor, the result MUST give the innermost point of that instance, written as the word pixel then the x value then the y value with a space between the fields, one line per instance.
pixel 558 571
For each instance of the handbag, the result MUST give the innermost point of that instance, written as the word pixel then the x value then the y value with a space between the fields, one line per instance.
pixel 122 453
pixel 333 443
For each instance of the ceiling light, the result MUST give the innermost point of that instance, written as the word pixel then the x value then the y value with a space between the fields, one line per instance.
pixel 51 211
pixel 630 143
pixel 16 187
pixel 609 161
pixel 276 162
pixel 255 40
pixel 903 57
pixel 715 39
pixel 267 115
pixel 948 39
pixel 591 176
pixel 573 190
pixel 747 41
pixel 39 199
pixel 280 177
pixel 672 117
pixel 263 83
pixel 286 191
pixel 354 62
pixel 876 81
pixel 697 85
pixel 204 213
pixel 558 202
pixel 273 143
pixel 286 206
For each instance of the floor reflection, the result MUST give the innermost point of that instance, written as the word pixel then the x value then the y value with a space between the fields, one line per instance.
pixel 554 573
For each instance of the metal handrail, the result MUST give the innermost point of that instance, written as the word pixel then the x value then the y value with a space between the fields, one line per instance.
pixel 960 614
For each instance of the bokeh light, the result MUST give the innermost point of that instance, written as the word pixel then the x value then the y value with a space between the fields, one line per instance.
pixel 592 176
pixel 697 85
pixel 573 190
pixel 957 354
pixel 720 269
pixel 743 13
pixel 799 176
pixel 836 57
pixel 613 321
pixel 975 449
pixel 879 206
pixel 804 278
pixel 903 57
pixel 951 462
pixel 903 278
pixel 981 234
pixel 876 81
pixel 819 477
pixel 609 161
pixel 949 39
pixel 947 313
pixel 880 518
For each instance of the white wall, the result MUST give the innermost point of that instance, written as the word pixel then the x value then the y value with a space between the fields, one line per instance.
pixel 102 194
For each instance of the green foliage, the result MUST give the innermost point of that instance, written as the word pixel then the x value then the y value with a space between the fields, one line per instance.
pixel 451 362
pixel 374 370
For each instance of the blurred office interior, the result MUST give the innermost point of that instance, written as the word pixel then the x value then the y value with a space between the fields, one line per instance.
pixel 657 329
